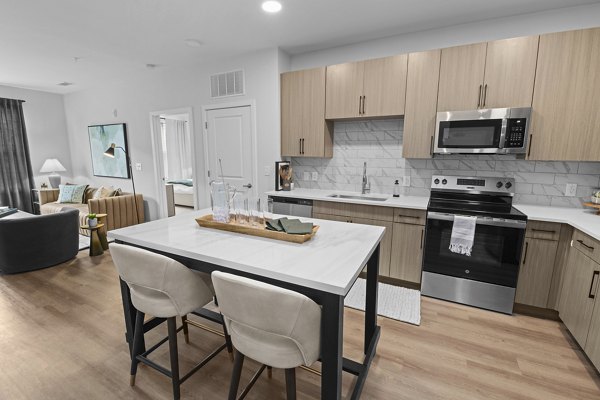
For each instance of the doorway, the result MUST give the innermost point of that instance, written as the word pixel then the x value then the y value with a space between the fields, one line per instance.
pixel 230 137
pixel 172 134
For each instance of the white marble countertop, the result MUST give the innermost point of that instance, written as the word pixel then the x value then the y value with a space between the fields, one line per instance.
pixel 414 202
pixel 330 261
pixel 582 219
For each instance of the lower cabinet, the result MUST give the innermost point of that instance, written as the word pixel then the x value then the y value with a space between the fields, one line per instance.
pixel 592 345
pixel 407 252
pixel 580 287
pixel 385 245
pixel 537 268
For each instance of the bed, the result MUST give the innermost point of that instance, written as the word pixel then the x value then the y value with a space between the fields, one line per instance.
pixel 183 192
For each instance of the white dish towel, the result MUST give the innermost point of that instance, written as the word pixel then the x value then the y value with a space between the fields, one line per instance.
pixel 463 234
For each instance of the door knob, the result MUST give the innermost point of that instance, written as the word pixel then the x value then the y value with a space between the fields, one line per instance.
pixel 249 186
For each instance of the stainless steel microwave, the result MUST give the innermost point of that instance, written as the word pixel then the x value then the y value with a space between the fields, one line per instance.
pixel 491 131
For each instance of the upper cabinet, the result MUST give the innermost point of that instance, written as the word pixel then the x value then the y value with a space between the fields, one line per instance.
pixel 304 131
pixel 488 75
pixel 373 88
pixel 566 105
pixel 421 102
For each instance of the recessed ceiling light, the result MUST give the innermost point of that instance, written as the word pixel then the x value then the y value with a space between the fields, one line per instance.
pixel 65 83
pixel 271 6
pixel 151 66
pixel 193 42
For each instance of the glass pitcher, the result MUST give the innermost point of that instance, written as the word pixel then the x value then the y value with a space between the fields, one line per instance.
pixel 220 200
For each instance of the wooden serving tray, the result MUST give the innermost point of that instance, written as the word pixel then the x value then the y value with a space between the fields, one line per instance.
pixel 593 205
pixel 207 222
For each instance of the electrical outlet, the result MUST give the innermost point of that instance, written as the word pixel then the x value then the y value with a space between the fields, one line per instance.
pixel 267 170
pixel 306 176
pixel 406 181
pixel 315 176
pixel 571 190
pixel 138 166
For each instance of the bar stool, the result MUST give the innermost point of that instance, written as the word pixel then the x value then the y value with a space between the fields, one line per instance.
pixel 277 327
pixel 163 288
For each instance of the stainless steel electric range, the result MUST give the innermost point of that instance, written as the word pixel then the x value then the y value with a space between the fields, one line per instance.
pixel 488 277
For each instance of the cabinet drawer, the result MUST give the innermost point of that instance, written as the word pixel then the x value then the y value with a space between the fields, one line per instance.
pixel 408 216
pixel 587 245
pixel 542 230
pixel 353 210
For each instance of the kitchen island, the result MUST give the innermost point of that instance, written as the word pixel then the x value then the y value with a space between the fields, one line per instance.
pixel 324 269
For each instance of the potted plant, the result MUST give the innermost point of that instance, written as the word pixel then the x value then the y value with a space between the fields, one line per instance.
pixel 92 220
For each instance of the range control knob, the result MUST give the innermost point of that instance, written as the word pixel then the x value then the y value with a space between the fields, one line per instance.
pixel 444 181
pixel 436 181
pixel 499 185
pixel 508 185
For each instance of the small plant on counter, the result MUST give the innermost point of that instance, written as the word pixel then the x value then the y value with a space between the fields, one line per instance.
pixel 92 220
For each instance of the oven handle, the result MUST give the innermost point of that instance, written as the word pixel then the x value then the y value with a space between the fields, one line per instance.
pixel 507 223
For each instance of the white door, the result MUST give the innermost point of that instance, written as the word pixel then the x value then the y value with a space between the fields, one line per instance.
pixel 229 138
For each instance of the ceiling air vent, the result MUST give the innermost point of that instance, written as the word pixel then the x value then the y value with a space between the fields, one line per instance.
pixel 227 84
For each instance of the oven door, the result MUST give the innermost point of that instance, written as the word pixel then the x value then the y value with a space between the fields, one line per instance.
pixel 495 255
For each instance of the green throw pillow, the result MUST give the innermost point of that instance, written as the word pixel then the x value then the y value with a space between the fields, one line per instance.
pixel 71 194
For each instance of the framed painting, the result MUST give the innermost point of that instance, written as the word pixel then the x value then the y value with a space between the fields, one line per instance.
pixel 101 138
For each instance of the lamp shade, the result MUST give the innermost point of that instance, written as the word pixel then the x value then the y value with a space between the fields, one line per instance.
pixel 110 152
pixel 52 165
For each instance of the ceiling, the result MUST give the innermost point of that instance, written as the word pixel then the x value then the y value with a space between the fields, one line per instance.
pixel 114 39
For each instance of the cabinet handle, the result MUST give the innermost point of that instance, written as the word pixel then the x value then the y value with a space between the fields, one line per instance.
pixel 590 295
pixel 591 248
pixel 484 95
pixel 479 96
pixel 529 150
pixel 299 146
pixel 364 101
pixel 302 145
pixel 543 230
pixel 525 255
pixel 407 216
pixel 360 105
pixel 422 230
pixel 431 147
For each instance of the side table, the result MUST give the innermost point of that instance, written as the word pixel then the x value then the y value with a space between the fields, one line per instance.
pixel 96 248
pixel 102 232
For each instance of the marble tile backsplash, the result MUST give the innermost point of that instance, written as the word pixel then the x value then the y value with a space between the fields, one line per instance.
pixel 379 143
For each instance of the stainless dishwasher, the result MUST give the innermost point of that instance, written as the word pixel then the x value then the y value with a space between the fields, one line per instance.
pixel 290 206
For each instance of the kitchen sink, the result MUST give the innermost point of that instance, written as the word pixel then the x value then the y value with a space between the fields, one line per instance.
pixel 357 197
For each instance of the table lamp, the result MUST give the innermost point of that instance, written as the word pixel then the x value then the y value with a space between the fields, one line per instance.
pixel 53 166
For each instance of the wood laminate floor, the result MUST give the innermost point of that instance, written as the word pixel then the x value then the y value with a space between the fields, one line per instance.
pixel 62 337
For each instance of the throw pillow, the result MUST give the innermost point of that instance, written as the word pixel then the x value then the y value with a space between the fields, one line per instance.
pixel 103 191
pixel 116 193
pixel 71 194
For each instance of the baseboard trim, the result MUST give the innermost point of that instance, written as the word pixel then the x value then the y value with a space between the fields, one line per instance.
pixel 544 313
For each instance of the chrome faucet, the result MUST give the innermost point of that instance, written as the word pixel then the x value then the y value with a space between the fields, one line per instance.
pixel 366 187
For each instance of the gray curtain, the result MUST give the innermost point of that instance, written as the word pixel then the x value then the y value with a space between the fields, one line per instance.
pixel 16 175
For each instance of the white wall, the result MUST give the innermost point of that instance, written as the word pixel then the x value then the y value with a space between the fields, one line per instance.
pixel 46 128
pixel 502 28
pixel 173 88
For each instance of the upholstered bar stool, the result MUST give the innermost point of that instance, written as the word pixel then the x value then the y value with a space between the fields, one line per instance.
pixel 278 328
pixel 163 288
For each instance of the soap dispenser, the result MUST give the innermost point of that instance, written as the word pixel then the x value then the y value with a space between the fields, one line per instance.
pixel 396 189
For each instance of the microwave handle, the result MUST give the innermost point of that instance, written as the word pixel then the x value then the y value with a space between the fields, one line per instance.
pixel 500 222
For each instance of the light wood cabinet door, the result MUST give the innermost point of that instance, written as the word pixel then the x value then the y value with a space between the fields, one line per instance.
pixel 385 248
pixel 304 131
pixel 461 77
pixel 566 104
pixel 384 87
pixel 535 276
pixel 344 90
pixel 510 72
pixel 575 307
pixel 592 346
pixel 421 103
pixel 407 252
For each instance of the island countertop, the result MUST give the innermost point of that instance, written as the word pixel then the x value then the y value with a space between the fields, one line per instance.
pixel 331 261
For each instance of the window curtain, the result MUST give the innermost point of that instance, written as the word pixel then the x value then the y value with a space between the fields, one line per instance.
pixel 16 174
pixel 179 149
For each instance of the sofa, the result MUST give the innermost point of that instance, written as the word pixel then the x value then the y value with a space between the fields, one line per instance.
pixel 120 210
pixel 38 241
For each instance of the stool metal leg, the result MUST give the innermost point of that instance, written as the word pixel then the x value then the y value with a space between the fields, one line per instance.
pixel 269 372
pixel 138 340
pixel 186 333
pixel 290 383
pixel 236 375
pixel 172 328
pixel 228 341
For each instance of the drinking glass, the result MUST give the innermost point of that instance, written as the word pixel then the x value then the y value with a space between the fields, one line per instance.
pixel 255 212
pixel 240 208
pixel 268 209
